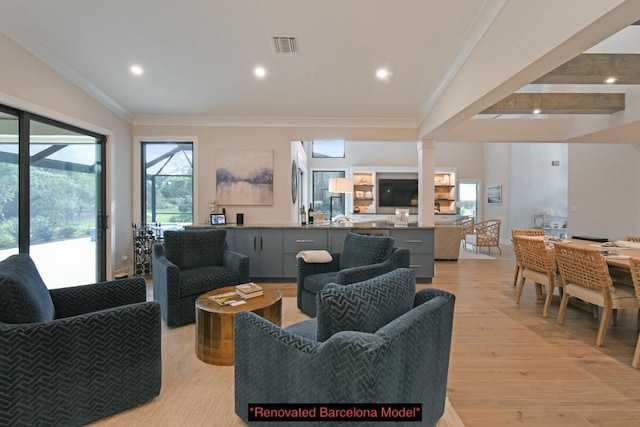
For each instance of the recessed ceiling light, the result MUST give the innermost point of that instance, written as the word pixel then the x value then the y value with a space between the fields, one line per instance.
pixel 536 111
pixel 382 73
pixel 136 70
pixel 260 72
pixel 611 80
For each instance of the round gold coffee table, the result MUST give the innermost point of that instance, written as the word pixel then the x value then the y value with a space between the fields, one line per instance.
pixel 214 323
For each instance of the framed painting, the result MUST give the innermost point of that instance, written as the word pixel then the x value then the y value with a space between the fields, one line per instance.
pixel 494 194
pixel 244 177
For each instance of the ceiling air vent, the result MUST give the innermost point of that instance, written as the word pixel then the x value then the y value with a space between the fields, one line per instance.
pixel 285 44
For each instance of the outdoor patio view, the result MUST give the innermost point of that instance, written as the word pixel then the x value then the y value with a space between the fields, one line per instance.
pixel 64 177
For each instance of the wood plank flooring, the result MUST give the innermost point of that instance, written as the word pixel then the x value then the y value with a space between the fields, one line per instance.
pixel 510 366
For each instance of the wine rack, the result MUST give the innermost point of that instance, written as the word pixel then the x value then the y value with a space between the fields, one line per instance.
pixel 144 237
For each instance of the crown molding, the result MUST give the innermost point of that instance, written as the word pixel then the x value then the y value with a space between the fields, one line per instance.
pixel 178 120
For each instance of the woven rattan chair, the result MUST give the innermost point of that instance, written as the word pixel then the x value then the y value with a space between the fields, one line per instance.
pixel 522 232
pixel 538 265
pixel 634 265
pixel 585 276
pixel 468 227
pixel 488 235
pixel 620 275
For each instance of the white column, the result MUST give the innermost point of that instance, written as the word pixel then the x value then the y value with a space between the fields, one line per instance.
pixel 426 190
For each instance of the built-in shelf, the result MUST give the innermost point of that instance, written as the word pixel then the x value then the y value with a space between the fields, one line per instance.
pixel 364 197
pixel 444 182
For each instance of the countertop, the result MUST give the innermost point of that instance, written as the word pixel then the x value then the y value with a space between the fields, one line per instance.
pixel 337 226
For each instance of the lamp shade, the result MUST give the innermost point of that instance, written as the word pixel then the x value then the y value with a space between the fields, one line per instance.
pixel 340 185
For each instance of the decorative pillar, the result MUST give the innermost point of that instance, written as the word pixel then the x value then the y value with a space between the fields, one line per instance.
pixel 426 190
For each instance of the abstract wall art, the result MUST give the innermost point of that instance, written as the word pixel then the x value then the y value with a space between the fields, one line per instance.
pixel 244 177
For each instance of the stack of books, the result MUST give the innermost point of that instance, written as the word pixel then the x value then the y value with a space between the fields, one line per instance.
pixel 249 290
pixel 227 298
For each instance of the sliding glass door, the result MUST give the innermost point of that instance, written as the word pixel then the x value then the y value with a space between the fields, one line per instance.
pixel 52 200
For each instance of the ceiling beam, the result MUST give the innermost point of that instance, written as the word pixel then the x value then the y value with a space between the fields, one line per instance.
pixel 595 68
pixel 559 103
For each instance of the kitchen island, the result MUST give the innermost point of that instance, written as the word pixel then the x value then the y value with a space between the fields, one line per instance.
pixel 272 248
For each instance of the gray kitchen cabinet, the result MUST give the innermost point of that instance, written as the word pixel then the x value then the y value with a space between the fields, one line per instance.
pixel 420 243
pixel 264 248
pixel 300 239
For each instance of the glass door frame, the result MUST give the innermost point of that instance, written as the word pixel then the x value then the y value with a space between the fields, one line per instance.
pixel 24 193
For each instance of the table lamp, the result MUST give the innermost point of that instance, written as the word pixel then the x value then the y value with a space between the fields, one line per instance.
pixel 338 185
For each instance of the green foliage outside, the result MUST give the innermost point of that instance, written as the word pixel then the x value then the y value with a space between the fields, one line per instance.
pixel 62 205
pixel 173 199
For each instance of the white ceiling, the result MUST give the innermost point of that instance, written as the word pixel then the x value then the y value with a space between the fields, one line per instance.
pixel 448 59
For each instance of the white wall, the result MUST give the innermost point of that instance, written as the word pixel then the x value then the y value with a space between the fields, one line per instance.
pixel 466 157
pixel 496 172
pixel 535 184
pixel 604 190
pixel 372 153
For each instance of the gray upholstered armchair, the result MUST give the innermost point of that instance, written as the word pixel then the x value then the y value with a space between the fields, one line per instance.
pixel 73 355
pixel 376 341
pixel 189 263
pixel 362 257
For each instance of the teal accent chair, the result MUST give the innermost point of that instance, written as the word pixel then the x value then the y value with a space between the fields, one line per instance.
pixel 362 257
pixel 376 341
pixel 189 263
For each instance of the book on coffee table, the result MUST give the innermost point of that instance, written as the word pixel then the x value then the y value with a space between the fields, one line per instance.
pixel 228 298
pixel 249 290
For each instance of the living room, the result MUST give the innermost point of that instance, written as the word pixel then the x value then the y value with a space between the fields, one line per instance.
pixel 599 188
pixel 596 206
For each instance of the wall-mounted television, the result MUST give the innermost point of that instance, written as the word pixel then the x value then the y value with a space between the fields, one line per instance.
pixel 398 193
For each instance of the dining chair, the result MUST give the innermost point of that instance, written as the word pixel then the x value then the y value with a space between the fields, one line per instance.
pixel 634 266
pixel 585 276
pixel 620 275
pixel 468 227
pixel 488 234
pixel 522 232
pixel 538 265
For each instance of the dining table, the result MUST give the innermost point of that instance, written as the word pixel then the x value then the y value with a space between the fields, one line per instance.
pixel 616 253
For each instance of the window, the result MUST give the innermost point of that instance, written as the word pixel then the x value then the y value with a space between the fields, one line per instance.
pixel 321 196
pixel 327 149
pixel 167 190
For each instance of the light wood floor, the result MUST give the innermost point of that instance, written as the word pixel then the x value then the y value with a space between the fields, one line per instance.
pixel 510 366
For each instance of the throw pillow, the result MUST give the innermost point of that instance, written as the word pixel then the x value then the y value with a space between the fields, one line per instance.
pixel 24 298
pixel 365 306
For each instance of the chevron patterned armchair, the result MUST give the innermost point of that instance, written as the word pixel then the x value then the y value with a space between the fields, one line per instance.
pixel 362 258
pixel 73 355
pixel 189 263
pixel 376 341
